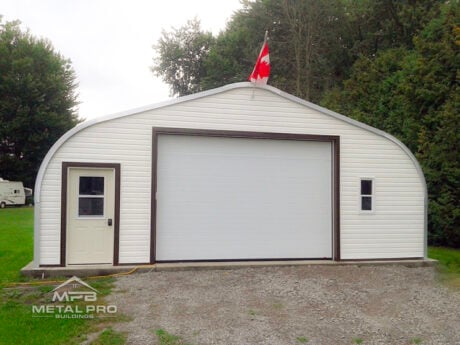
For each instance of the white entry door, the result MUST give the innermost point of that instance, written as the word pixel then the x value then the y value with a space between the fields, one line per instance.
pixel 237 198
pixel 90 216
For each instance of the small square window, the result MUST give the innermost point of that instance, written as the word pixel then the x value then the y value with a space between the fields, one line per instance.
pixel 367 195
pixel 366 203
pixel 90 206
pixel 91 185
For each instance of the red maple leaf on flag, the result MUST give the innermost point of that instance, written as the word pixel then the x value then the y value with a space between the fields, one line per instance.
pixel 261 70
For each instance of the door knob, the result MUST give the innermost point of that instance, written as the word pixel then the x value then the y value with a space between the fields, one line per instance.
pixel 109 222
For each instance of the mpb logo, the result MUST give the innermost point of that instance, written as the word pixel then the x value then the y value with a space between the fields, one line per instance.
pixel 72 300
pixel 65 293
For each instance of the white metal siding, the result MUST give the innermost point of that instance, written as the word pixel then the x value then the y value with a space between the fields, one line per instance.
pixel 239 198
pixel 395 229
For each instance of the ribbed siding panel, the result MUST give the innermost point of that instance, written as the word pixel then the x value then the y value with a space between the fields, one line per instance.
pixel 395 229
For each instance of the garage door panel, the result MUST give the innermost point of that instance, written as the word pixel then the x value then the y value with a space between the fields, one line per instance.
pixel 228 198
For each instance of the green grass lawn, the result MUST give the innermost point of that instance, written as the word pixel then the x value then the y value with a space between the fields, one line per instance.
pixel 449 264
pixel 17 324
pixel 16 241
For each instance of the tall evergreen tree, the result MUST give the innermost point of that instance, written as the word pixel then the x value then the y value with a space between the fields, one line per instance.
pixel 414 94
pixel 436 92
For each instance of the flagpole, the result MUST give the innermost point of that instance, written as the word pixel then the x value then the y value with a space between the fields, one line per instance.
pixel 261 71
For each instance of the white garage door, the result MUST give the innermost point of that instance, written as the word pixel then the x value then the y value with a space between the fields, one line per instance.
pixel 237 198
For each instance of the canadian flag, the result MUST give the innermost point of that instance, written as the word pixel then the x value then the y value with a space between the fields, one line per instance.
pixel 261 70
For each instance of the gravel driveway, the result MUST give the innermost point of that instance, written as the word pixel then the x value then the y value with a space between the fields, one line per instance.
pixel 290 305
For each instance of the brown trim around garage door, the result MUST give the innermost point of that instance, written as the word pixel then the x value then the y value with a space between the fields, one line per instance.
pixel 65 167
pixel 335 140
pixel 336 197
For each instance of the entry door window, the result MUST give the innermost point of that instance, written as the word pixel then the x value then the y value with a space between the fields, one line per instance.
pixel 91 196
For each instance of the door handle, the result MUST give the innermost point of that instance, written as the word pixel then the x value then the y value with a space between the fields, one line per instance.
pixel 109 222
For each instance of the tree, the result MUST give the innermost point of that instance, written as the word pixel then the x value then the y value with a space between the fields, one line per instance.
pixel 376 25
pixel 37 101
pixel 313 43
pixel 414 95
pixel 377 93
pixel 180 57
pixel 232 57
pixel 437 95
pixel 306 49
pixel 439 156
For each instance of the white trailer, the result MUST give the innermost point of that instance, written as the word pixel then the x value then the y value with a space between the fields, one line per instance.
pixel 13 193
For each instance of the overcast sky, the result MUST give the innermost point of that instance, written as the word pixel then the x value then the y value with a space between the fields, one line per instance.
pixel 110 42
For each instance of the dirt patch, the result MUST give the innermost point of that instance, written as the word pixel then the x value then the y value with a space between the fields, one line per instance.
pixel 288 305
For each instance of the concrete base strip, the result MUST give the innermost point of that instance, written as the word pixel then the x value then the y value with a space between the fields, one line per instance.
pixel 102 270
